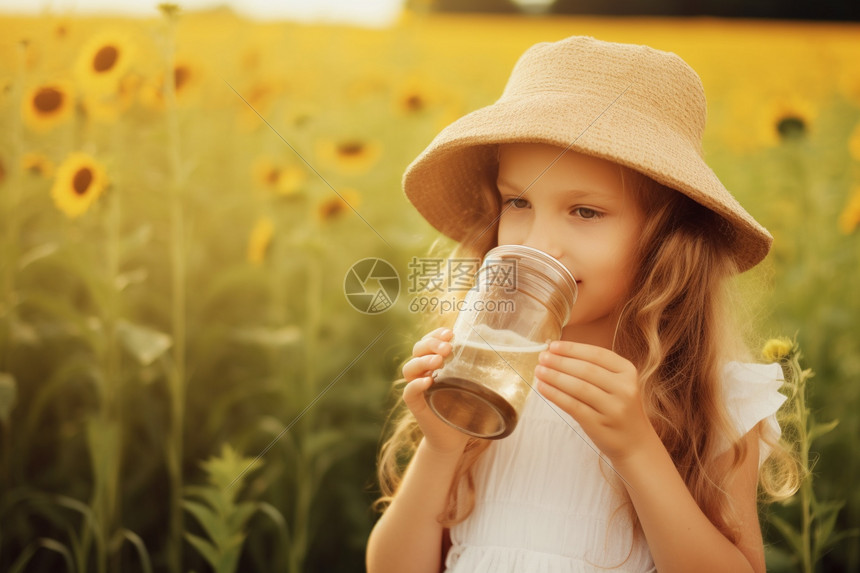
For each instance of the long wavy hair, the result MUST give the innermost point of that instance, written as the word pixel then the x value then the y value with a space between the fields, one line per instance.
pixel 678 327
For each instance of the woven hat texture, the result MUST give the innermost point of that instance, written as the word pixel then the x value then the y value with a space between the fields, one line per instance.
pixel 631 104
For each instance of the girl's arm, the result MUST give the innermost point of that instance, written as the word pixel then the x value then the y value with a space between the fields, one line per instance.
pixel 679 535
pixel 408 536
pixel 600 390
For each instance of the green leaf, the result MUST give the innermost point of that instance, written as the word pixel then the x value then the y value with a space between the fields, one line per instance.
pixel 140 546
pixel 136 239
pixel 215 497
pixel 206 549
pixel 818 430
pixel 779 559
pixel 276 516
pixel 56 546
pixel 793 537
pixel 136 276
pixel 211 522
pixel 8 396
pixel 825 522
pixel 71 368
pixel 36 253
pixel 230 470
pixel 24 558
pixel 145 344
pixel 230 554
pixel 239 517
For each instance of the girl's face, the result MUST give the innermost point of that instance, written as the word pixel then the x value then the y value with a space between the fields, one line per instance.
pixel 575 208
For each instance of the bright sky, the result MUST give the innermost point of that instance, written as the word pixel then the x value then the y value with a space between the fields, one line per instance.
pixel 361 12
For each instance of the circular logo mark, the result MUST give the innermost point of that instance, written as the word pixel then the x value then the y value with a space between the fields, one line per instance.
pixel 371 285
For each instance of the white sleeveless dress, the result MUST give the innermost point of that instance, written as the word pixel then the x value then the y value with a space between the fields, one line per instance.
pixel 546 503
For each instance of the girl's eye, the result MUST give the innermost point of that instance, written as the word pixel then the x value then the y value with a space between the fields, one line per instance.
pixel 517 202
pixel 586 213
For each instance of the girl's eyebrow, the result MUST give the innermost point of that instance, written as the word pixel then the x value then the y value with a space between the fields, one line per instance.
pixel 579 193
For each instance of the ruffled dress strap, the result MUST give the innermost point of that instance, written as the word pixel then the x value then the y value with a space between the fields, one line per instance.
pixel 751 394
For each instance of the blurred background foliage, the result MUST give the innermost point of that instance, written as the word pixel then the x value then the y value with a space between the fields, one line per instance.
pixel 183 197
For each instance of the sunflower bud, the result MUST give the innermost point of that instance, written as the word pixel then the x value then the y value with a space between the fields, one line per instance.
pixel 777 349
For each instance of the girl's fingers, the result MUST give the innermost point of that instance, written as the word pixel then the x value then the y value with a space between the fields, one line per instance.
pixel 579 410
pixel 422 366
pixel 413 393
pixel 577 388
pixel 436 341
pixel 599 356
pixel 440 332
pixel 577 368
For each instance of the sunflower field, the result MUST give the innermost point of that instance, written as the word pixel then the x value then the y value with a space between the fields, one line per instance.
pixel 184 385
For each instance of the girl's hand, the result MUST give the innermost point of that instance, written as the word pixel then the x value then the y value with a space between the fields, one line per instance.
pixel 600 390
pixel 428 355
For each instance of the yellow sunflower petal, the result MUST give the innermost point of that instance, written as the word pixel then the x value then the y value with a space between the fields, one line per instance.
pixel 187 81
pixel 103 62
pixel 849 219
pixel 79 182
pixel 786 117
pixel 854 143
pixel 291 179
pixel 335 207
pixel 350 156
pixel 260 239
pixel 777 349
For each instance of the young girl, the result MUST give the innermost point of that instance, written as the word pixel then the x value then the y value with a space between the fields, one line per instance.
pixel 642 444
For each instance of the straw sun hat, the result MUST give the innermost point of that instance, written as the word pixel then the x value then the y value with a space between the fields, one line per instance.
pixel 631 104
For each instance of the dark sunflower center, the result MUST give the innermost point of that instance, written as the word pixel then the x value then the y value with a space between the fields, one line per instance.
pixel 414 103
pixel 272 176
pixel 48 100
pixel 180 76
pixel 350 148
pixel 791 127
pixel 105 59
pixel 82 180
pixel 332 209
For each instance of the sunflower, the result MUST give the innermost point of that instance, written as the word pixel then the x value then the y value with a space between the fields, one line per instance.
pixel 849 219
pixel 351 156
pixel 80 181
pixel 335 207
pixel 48 105
pixel 187 78
pixel 260 239
pixel 266 172
pixel 258 99
pixel 37 164
pixel 282 179
pixel 786 118
pixel 778 349
pixel 103 61
pixel 415 97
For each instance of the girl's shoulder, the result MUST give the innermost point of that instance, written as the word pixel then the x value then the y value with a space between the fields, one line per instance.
pixel 751 394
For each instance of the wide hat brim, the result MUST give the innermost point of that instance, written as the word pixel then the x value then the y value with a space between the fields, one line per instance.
pixel 442 182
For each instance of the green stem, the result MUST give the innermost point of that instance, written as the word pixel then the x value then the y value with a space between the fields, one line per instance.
pixel 806 492
pixel 12 195
pixel 178 288
pixel 113 373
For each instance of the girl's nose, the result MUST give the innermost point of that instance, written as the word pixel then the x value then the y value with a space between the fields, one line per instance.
pixel 542 238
